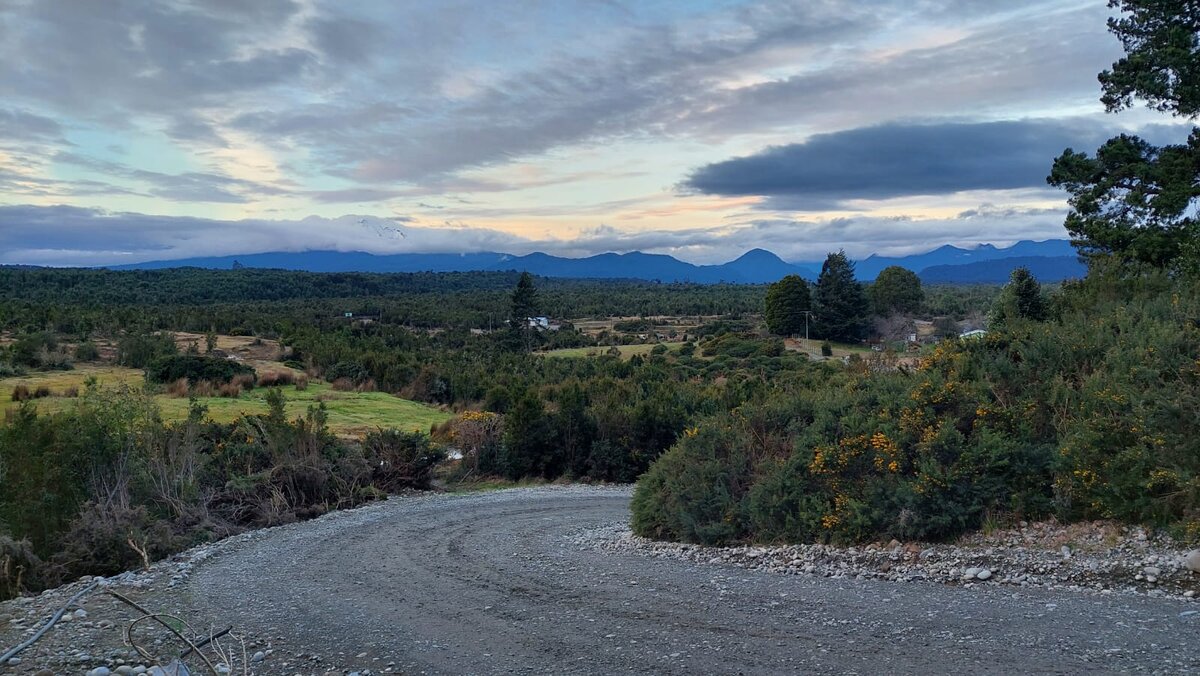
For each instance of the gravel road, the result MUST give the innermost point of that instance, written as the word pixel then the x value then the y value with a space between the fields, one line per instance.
pixel 497 583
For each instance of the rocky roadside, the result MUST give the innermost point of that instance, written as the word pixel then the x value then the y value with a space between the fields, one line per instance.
pixel 91 640
pixel 1097 557
pixel 91 636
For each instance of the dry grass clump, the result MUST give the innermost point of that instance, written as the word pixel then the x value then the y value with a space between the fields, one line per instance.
pixel 343 385
pixel 276 378
pixel 179 388
pixel 367 385
pixel 204 388
pixel 301 382
pixel 230 390
pixel 71 392
pixel 22 392
pixel 244 381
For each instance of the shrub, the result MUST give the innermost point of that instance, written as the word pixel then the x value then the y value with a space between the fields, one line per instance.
pixel 633 326
pixel 196 368
pixel 109 538
pixel 826 349
pixel 20 569
pixel 349 370
pixel 87 351
pixel 400 459
pixel 138 350
pixel 693 492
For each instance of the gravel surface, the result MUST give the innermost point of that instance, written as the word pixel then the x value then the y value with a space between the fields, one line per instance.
pixel 546 580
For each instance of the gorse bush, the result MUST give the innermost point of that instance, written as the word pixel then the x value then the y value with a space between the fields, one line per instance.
pixel 1087 415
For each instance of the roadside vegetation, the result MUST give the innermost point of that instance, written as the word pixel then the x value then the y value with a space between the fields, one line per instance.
pixel 1077 404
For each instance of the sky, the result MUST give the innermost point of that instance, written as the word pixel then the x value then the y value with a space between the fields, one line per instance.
pixel 133 131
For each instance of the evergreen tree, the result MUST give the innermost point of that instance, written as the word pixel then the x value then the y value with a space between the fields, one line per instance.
pixel 528 438
pixel 1021 299
pixel 839 301
pixel 787 301
pixel 523 306
pixel 1134 200
pixel 524 300
pixel 897 290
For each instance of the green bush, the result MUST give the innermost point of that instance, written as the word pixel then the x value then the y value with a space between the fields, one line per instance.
pixel 1087 415
pixel 693 492
pixel 195 368
pixel 87 351
pixel 137 350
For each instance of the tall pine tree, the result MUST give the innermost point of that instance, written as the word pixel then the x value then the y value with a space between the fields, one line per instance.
pixel 839 302
pixel 524 305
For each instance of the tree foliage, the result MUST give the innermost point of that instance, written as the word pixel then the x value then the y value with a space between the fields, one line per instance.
pixel 1135 200
pixel 786 304
pixel 524 302
pixel 1162 49
pixel 1021 299
pixel 843 312
pixel 896 290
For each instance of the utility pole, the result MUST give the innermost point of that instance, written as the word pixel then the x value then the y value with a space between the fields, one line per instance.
pixel 807 314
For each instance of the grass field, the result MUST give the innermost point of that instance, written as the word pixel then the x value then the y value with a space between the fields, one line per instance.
pixel 627 351
pixel 350 413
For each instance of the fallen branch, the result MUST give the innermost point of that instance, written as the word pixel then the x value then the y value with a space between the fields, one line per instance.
pixel 209 639
pixel 146 614
pixel 55 618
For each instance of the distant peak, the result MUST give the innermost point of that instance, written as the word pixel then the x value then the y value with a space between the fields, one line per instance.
pixel 758 255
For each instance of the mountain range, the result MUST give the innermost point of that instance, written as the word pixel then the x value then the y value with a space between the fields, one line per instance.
pixel 1050 261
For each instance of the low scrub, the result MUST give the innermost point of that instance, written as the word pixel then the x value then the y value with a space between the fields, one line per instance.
pixel 1086 415
pixel 195 368
pixel 129 488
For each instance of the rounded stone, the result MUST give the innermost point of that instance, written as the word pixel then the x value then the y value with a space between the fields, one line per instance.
pixel 1192 560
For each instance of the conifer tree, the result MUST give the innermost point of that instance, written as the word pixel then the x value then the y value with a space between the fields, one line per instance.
pixel 839 302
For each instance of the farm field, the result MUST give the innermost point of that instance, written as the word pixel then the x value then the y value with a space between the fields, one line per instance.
pixel 350 413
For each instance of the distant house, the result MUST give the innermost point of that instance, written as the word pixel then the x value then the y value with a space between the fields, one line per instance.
pixel 973 333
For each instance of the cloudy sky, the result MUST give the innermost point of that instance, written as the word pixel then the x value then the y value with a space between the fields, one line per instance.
pixel 154 130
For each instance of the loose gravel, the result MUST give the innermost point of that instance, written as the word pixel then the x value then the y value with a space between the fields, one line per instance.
pixel 548 580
